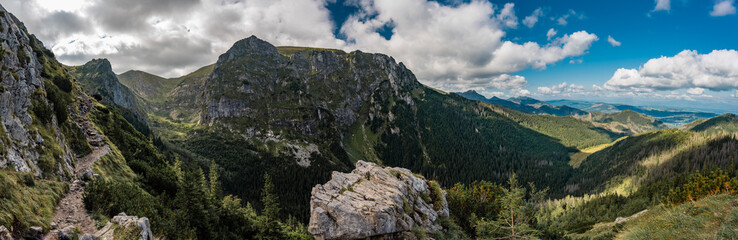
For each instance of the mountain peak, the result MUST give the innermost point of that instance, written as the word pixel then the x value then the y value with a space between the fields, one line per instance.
pixel 99 65
pixel 251 46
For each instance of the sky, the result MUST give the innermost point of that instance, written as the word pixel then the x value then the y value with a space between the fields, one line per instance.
pixel 671 53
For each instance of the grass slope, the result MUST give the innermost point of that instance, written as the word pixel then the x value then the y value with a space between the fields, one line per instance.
pixel 26 202
pixel 150 87
pixel 727 123
pixel 713 217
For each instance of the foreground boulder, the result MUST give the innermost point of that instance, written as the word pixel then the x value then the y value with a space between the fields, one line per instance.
pixel 375 201
pixel 126 227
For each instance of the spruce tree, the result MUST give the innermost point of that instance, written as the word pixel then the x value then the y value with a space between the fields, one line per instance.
pixel 269 227
pixel 269 199
pixel 512 221
pixel 216 192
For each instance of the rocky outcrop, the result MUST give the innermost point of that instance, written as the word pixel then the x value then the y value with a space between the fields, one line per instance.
pixel 298 89
pixel 5 233
pixel 22 88
pixel 374 201
pixel 130 227
pixel 96 77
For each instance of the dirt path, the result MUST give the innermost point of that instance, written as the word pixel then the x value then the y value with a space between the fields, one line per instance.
pixel 71 210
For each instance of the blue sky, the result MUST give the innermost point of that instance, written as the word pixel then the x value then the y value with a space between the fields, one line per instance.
pixel 677 53
pixel 644 33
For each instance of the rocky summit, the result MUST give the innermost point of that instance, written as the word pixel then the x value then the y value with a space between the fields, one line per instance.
pixel 375 201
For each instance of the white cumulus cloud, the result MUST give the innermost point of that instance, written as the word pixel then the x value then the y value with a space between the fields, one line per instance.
pixel 717 70
pixel 564 19
pixel 723 8
pixel 696 91
pixel 664 5
pixel 507 16
pixel 449 46
pixel 551 33
pixel 532 19
pixel 613 42
pixel 561 89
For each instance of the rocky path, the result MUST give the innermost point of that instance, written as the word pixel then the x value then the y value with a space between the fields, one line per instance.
pixel 71 210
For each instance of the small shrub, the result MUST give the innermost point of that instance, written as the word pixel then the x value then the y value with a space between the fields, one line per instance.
pixel 397 174
pixel 436 194
pixel 419 232
pixel 60 101
pixel 6 185
pixel 46 163
pixel 28 180
pixel 63 83
pixel 132 231
pixel 406 207
pixel 42 110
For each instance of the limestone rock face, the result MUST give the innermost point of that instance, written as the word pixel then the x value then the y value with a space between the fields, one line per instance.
pixel 254 78
pixel 373 201
pixel 300 96
pixel 97 78
pixel 20 84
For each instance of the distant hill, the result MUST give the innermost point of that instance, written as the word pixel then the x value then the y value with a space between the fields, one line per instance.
pixel 525 104
pixel 724 123
pixel 671 117
pixel 626 122
pixel 150 87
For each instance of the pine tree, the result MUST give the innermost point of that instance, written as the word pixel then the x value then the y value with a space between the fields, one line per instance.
pixel 269 199
pixel 512 221
pixel 269 227
pixel 216 192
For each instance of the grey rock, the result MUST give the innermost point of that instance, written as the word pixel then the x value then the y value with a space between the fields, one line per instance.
pixel 124 221
pixel 87 237
pixel 35 231
pixel 66 233
pixel 88 175
pixel 20 80
pixel 97 78
pixel 54 226
pixel 256 87
pixel 373 201
pixel 5 233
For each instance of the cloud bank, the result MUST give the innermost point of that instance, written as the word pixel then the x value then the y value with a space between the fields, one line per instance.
pixel 717 71
pixel 447 46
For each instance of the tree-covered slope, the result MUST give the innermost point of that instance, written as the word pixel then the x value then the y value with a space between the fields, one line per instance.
pixel 626 122
pixel 568 130
pixel 727 123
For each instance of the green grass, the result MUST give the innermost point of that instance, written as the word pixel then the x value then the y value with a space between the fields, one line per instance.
pixel 727 123
pixel 289 50
pixel 714 217
pixel 569 131
pixel 150 87
pixel 359 144
pixel 112 167
pixel 578 157
pixel 25 203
